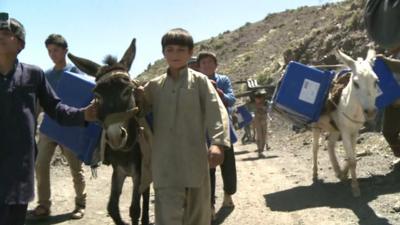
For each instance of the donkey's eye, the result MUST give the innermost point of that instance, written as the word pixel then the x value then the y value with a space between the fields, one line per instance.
pixel 356 85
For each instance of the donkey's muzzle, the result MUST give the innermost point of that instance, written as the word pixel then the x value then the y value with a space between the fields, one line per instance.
pixel 116 136
pixel 370 114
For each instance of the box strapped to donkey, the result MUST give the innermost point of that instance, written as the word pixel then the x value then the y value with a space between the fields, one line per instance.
pixel 339 109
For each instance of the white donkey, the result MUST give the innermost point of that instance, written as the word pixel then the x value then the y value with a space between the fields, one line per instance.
pixel 356 105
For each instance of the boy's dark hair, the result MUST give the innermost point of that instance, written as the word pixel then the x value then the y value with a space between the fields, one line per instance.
pixel 205 54
pixel 12 25
pixel 177 36
pixel 56 39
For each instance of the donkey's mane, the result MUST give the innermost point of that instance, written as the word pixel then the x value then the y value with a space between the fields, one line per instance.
pixel 111 64
pixel 110 60
pixel 335 92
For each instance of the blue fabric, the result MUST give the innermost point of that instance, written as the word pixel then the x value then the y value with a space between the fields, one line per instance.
pixel 224 83
pixel 77 91
pixel 53 76
pixel 232 132
pixel 244 116
pixel 19 92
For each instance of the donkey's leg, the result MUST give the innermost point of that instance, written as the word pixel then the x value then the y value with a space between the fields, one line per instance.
pixel 145 206
pixel 316 134
pixel 346 167
pixel 117 182
pixel 134 210
pixel 349 143
pixel 332 139
pixel 353 166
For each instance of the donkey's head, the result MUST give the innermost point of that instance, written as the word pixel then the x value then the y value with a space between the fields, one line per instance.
pixel 113 93
pixel 363 82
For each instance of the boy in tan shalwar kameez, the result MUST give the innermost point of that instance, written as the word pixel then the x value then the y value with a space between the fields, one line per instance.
pixel 185 107
pixel 260 121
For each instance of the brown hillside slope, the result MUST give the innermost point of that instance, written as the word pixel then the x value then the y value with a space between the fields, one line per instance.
pixel 262 49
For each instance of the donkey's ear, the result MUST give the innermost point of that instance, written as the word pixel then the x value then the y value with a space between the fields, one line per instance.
pixel 371 56
pixel 129 55
pixel 346 59
pixel 85 65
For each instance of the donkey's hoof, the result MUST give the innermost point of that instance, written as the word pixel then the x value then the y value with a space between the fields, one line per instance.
pixel 315 174
pixel 122 223
pixel 315 178
pixel 144 222
pixel 342 176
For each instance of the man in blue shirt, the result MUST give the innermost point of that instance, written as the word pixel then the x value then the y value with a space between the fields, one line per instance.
pixel 207 62
pixel 57 48
pixel 21 85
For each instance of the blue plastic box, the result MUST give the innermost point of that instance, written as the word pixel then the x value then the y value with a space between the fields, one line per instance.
pixel 244 116
pixel 390 88
pixel 302 93
pixel 74 90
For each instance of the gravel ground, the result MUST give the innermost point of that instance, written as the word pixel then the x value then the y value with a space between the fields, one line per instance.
pixel 277 189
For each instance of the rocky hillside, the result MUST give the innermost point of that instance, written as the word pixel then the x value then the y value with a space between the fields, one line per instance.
pixel 310 35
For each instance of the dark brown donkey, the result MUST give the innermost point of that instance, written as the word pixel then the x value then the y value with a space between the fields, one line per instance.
pixel 114 92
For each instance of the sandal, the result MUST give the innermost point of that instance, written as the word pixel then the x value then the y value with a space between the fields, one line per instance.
pixel 40 212
pixel 78 213
pixel 228 202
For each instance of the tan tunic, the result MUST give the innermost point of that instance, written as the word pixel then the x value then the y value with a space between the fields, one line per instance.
pixel 183 111
pixel 260 125
pixel 260 113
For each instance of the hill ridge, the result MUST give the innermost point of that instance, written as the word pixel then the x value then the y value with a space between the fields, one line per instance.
pixel 261 50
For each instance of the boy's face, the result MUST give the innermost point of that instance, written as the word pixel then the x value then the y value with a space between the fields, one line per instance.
pixel 56 53
pixel 177 56
pixel 207 66
pixel 9 43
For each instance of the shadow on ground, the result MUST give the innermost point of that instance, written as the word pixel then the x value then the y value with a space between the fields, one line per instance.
pixel 259 158
pixel 222 214
pixel 338 195
pixel 50 220
pixel 241 152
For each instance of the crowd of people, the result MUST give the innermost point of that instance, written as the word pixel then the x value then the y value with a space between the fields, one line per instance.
pixel 192 108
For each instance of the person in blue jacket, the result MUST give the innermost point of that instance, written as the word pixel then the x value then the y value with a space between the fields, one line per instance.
pixel 21 85
pixel 207 62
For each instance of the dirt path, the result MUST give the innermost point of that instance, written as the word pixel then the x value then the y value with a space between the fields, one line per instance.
pixel 277 189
